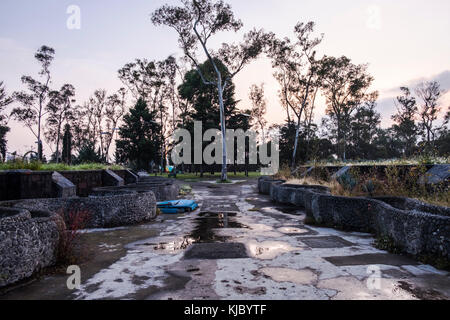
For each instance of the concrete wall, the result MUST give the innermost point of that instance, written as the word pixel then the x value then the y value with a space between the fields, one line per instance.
pixel 28 243
pixel 164 189
pixel 26 185
pixel 107 211
pixel 85 181
pixel 127 175
pixel 417 228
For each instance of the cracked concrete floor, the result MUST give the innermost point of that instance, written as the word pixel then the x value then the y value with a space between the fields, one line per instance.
pixel 239 246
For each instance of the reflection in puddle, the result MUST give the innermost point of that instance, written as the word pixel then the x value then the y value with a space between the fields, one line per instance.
pixel 171 246
pixel 292 230
pixel 204 230
pixel 217 215
pixel 269 249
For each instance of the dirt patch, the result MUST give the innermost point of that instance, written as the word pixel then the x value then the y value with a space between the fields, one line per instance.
pixel 421 294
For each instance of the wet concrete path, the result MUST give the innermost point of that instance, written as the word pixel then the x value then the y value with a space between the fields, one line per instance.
pixel 239 246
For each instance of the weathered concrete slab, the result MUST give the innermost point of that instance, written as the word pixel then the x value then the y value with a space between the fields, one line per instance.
pixel 111 179
pixel 341 172
pixel 371 259
pixel 438 174
pixel 326 242
pixel 216 251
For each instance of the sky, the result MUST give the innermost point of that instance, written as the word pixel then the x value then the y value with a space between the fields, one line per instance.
pixel 404 43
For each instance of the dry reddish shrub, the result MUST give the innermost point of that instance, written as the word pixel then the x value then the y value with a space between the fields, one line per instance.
pixel 70 249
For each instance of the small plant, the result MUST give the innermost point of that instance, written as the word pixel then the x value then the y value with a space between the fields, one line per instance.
pixel 284 173
pixel 369 188
pixel 347 182
pixel 69 243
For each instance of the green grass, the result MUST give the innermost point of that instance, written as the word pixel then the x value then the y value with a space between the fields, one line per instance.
pixel 192 177
pixel 422 160
pixel 37 166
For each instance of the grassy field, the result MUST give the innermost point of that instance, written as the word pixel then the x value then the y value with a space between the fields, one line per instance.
pixel 390 186
pixel 192 177
pixel 424 160
pixel 37 166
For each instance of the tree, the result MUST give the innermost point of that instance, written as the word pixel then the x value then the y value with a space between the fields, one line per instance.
pixel 33 102
pixel 115 109
pixel 140 140
pixel 154 82
pixel 67 145
pixel 405 124
pixel 364 125
pixel 204 100
pixel 443 140
pixel 429 93
pixel 387 144
pixel 142 79
pixel 298 75
pixel 88 154
pixel 259 108
pixel 98 104
pixel 196 22
pixel 5 100
pixel 59 110
pixel 345 88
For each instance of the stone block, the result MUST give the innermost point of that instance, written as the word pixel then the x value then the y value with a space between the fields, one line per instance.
pixel 109 178
pixel 63 187
pixel 436 175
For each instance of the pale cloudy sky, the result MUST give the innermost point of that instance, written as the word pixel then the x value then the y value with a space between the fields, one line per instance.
pixel 404 42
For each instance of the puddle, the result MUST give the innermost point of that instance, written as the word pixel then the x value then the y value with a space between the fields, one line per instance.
pixel 269 250
pixel 292 230
pixel 217 215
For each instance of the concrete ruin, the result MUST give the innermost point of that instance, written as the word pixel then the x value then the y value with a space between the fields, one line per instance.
pixel 416 228
pixel 37 206
pixel 28 242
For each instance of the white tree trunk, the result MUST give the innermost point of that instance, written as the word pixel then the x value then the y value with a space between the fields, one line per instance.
pixel 224 175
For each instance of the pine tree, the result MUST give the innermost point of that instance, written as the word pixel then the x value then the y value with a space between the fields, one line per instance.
pixel 140 137
pixel 405 126
pixel 205 104
pixel 67 145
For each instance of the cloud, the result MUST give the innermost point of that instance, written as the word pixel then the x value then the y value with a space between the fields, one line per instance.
pixel 386 105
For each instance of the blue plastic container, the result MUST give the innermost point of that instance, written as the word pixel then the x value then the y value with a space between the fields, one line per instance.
pixel 177 206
